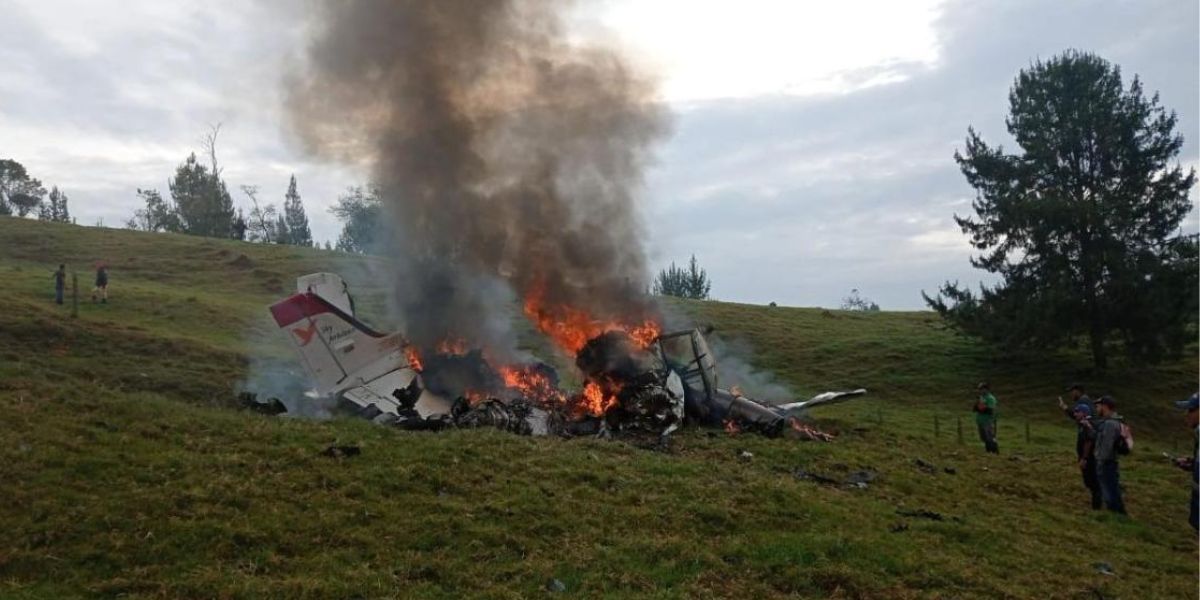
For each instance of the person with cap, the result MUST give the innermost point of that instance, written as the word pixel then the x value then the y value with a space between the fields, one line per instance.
pixel 1081 413
pixel 1190 463
pixel 985 418
pixel 1109 438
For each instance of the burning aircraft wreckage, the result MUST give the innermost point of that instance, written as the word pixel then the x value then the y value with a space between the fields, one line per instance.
pixel 638 381
pixel 506 149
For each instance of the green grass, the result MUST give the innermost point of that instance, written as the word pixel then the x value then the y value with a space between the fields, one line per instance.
pixel 127 470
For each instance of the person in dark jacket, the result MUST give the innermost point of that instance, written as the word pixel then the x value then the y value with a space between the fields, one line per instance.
pixel 1108 438
pixel 101 289
pixel 1081 413
pixel 60 283
pixel 1192 463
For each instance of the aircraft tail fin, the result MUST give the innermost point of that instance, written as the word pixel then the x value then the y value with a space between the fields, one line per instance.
pixel 338 350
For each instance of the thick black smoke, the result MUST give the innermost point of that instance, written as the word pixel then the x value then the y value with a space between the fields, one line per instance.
pixel 508 155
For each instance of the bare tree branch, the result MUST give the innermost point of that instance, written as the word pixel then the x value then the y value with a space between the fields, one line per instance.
pixel 262 218
pixel 210 147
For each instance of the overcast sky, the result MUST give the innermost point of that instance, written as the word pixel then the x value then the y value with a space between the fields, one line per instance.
pixel 811 146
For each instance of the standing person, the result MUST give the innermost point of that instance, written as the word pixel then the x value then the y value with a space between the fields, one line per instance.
pixel 1109 440
pixel 1085 435
pixel 1190 463
pixel 1077 393
pixel 60 283
pixel 985 418
pixel 101 290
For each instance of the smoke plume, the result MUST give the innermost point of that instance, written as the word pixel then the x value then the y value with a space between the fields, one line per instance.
pixel 507 153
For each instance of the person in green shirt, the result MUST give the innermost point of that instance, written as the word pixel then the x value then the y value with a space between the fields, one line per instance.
pixel 985 418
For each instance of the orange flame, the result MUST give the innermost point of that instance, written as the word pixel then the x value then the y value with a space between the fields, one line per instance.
pixel 595 401
pixel 731 427
pixel 809 432
pixel 644 334
pixel 571 328
pixel 414 358
pixel 531 384
pixel 474 397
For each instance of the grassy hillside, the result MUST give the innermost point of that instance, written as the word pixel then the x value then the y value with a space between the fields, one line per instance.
pixel 127 469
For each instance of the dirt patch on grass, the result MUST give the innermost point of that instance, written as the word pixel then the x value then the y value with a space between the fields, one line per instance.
pixel 271 281
pixel 273 285
pixel 242 262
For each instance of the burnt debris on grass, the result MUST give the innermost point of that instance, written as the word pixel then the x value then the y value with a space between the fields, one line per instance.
pixel 638 382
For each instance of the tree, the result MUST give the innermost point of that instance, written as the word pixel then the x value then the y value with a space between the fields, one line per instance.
pixel 1082 225
pixel 158 214
pixel 282 234
pixel 19 193
pixel 262 225
pixel 360 211
pixel 691 282
pixel 54 208
pixel 201 200
pixel 856 302
pixel 59 210
pixel 298 232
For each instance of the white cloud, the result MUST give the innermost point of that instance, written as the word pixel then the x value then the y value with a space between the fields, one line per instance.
pixel 717 49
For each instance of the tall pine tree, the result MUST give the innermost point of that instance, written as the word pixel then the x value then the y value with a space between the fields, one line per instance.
pixel 201 199
pixel 282 234
pixel 298 232
pixel 56 206
pixel 691 282
pixel 1082 225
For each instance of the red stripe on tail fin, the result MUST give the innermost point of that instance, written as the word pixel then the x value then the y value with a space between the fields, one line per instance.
pixel 297 307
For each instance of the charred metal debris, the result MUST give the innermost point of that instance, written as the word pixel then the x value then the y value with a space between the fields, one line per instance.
pixel 646 392
pixel 633 385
